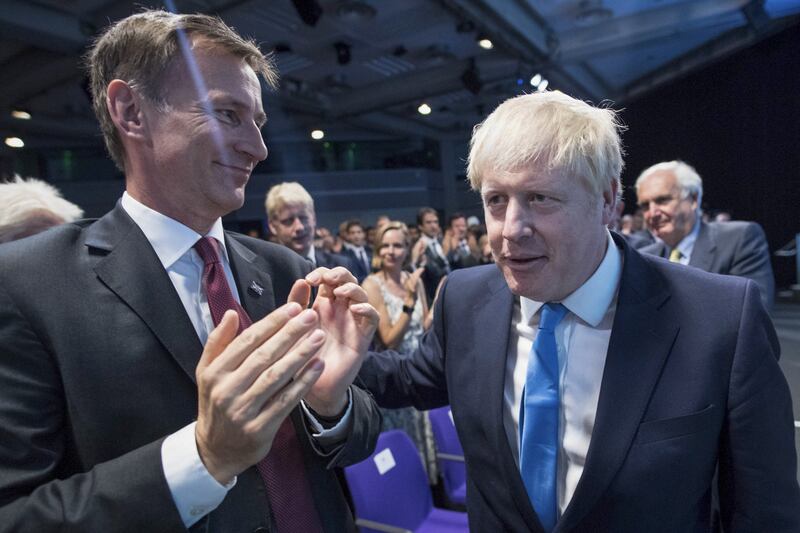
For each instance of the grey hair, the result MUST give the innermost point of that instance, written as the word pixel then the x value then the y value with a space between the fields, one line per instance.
pixel 23 199
pixel 686 176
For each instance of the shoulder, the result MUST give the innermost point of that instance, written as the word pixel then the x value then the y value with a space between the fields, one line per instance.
pixel 276 255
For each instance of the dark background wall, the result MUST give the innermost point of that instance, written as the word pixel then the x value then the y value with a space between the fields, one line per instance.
pixel 738 123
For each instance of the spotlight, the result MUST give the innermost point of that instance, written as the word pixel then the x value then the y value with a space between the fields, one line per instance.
pixel 543 86
pixel 20 114
pixel 342 52
pixel 536 80
pixel 15 142
pixel 485 43
pixel 424 109
pixel 317 135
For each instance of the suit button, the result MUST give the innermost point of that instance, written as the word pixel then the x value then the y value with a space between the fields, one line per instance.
pixel 261 529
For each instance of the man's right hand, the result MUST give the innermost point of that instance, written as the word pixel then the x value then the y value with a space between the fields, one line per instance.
pixel 248 384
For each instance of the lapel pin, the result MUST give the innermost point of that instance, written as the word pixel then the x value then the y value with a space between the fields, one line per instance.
pixel 256 288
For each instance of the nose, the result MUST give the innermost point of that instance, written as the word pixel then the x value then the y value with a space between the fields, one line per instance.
pixel 518 222
pixel 251 143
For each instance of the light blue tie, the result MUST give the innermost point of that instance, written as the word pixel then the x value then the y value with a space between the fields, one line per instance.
pixel 538 419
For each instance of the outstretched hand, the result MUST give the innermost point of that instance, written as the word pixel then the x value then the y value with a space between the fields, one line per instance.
pixel 349 323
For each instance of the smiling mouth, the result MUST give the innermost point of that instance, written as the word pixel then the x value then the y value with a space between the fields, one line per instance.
pixel 243 170
pixel 523 261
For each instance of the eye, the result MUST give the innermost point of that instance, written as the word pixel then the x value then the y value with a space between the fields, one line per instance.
pixel 494 200
pixel 229 115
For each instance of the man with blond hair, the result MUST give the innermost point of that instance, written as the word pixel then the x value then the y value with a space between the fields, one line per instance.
pixel 595 388
pixel 151 368
pixel 30 206
pixel 670 195
pixel 293 221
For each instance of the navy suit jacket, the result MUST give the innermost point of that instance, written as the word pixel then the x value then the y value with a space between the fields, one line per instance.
pixel 330 260
pixel 360 270
pixel 735 248
pixel 691 380
pixel 97 367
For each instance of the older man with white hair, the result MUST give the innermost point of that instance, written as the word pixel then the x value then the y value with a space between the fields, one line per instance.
pixel 30 206
pixel 670 195
pixel 595 388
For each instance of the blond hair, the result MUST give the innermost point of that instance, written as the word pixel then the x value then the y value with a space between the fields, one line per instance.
pixel 549 130
pixel 140 48
pixel 287 193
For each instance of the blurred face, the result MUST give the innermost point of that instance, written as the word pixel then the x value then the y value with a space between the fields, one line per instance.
pixel 356 235
pixel 294 227
pixel 430 225
pixel 202 150
pixel 666 214
pixel 393 249
pixel 546 230
pixel 459 227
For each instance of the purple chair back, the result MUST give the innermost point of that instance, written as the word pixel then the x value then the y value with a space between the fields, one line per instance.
pixel 391 486
pixel 444 433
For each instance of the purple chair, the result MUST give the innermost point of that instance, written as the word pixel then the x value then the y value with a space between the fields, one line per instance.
pixel 450 455
pixel 391 493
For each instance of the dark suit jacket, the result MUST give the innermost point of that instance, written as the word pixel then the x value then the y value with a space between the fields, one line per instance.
pixel 360 270
pixel 97 366
pixel 330 260
pixel 735 248
pixel 691 380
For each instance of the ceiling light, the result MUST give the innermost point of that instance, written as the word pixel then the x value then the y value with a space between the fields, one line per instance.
pixel 317 134
pixel 543 86
pixel 424 109
pixel 536 80
pixel 485 43
pixel 20 114
pixel 15 142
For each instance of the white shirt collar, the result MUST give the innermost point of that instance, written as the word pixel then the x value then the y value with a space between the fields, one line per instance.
pixel 591 300
pixel 169 238
pixel 312 255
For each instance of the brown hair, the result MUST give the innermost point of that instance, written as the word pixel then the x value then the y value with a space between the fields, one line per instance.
pixel 140 48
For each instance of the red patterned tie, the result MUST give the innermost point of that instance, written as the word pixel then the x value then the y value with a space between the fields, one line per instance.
pixel 283 469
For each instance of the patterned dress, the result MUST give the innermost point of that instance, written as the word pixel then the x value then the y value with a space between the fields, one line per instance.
pixel 415 423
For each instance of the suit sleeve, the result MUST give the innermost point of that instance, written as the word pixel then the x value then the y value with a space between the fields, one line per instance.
pixel 127 493
pixel 418 379
pixel 757 464
pixel 752 260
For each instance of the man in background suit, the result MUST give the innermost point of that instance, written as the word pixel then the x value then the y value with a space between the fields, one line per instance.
pixel 357 249
pixel 293 222
pixel 122 407
pixel 428 252
pixel 670 194
pixel 591 386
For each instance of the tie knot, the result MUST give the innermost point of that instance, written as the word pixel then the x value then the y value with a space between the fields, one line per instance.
pixel 206 248
pixel 552 313
pixel 675 255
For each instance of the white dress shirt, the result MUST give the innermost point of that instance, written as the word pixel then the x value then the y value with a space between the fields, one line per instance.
pixel 582 339
pixel 194 491
pixel 686 246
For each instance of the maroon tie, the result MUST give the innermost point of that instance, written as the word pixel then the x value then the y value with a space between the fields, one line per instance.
pixel 283 469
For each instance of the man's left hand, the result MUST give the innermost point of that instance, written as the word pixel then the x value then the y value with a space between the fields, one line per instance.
pixel 349 323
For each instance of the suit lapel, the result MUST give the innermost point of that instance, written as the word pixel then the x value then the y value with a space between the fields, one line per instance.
pixel 492 318
pixel 252 279
pixel 704 248
pixel 132 270
pixel 641 340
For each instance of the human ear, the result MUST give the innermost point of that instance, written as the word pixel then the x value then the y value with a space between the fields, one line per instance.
pixel 610 201
pixel 124 106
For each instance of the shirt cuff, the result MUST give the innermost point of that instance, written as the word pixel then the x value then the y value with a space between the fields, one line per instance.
pixel 336 433
pixel 194 491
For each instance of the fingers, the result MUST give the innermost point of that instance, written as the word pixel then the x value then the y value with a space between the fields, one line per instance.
pixel 286 399
pixel 219 339
pixel 351 291
pixel 333 277
pixel 366 312
pixel 276 376
pixel 274 349
pixel 239 348
pixel 300 293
